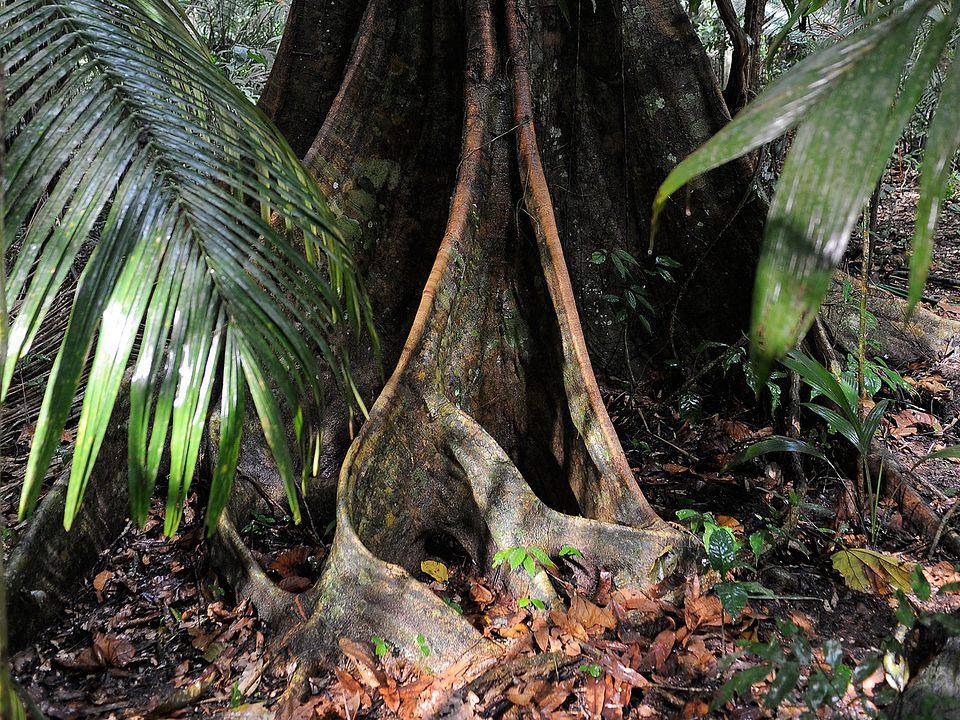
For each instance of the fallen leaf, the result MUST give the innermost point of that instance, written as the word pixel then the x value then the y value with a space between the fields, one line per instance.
pixel 593 618
pixel 100 582
pixel 520 697
pixel 437 570
pixel 730 522
pixel 556 696
pixel 288 562
pixel 659 651
pixel 481 595
pixel 295 583
pixel 863 569
pixel 802 621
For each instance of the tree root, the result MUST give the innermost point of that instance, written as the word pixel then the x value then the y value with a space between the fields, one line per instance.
pixel 912 505
pixel 491 430
pixel 900 339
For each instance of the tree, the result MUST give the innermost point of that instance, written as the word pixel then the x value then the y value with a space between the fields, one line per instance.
pixel 492 417
pixel 490 430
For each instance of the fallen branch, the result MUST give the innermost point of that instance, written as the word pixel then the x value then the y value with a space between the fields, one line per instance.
pixel 912 505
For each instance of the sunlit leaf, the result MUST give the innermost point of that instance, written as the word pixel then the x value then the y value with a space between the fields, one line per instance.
pixel 127 140
pixel 437 570
pixel 864 569
pixel 853 99
pixel 941 145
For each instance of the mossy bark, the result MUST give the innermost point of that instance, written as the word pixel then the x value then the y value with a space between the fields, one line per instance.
pixel 491 429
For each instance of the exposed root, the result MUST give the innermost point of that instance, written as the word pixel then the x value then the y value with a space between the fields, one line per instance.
pixel 491 430
pixel 912 505
pixel 900 339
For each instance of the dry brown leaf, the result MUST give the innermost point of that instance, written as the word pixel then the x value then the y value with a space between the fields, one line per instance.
pixel 635 599
pixel 594 619
pixel 114 651
pixel 371 675
pixel 802 621
pixel 105 651
pixel 289 561
pixel 593 696
pixel 660 650
pixel 295 584
pixel 521 697
pixel 696 658
pixel 100 582
pixel 557 695
pixel 730 522
pixel 615 696
pixel 695 709
pixel 541 634
pixel 481 595
pixel 675 469
pixel 701 611
pixel 353 693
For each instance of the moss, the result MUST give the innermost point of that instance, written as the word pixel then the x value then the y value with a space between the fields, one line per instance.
pixel 379 172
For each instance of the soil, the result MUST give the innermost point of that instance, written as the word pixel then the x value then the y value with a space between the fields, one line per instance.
pixel 153 632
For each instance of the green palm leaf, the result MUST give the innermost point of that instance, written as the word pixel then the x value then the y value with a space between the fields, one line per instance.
pixel 941 146
pixel 131 156
pixel 851 102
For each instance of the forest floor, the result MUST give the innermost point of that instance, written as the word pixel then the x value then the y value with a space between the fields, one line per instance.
pixel 155 633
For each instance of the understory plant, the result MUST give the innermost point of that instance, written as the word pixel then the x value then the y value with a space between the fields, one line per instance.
pixel 816 678
pixel 845 420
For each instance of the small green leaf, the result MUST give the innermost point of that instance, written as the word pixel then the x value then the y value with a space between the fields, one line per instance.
pixel 540 556
pixel 529 565
pixel 592 669
pixel 721 550
pixel 570 551
pixel 380 646
pixel 733 596
pixel 775 443
pixel 422 644
pixel 756 544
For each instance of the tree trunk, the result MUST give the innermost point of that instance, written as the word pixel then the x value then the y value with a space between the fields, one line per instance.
pixel 491 430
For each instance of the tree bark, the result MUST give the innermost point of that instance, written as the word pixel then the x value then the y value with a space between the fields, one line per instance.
pixel 745 64
pixel 491 430
pixel 551 140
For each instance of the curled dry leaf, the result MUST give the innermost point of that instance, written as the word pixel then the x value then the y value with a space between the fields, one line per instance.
pixel 290 561
pixel 100 583
pixel 593 618
pixel 295 583
pixel 481 595
pixel 660 650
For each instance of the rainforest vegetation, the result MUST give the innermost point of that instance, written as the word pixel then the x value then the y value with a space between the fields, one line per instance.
pixel 479 358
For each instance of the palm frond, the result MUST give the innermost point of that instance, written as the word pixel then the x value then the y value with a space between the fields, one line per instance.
pixel 131 156
pixel 851 102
